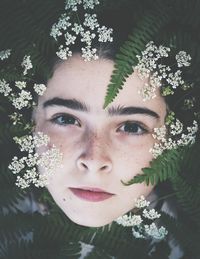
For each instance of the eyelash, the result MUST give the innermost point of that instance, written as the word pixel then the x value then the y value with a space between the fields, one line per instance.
pixel 74 121
pixel 65 116
pixel 142 129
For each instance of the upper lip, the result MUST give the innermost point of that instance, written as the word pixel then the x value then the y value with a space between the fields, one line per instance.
pixel 92 189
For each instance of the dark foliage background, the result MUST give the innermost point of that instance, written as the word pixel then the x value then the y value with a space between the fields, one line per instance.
pixel 25 27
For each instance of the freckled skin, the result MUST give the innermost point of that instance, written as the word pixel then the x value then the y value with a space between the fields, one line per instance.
pixel 108 154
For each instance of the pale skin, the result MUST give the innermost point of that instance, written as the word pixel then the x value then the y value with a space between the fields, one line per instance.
pixel 100 146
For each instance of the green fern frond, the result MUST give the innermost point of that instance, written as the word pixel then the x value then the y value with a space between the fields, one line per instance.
pixel 188 196
pixel 147 28
pixel 161 169
pixel 189 241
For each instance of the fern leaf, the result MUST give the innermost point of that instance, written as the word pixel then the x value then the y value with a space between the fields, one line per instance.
pixel 147 28
pixel 161 169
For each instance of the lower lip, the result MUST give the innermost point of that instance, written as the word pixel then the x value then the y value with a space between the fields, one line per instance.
pixel 90 195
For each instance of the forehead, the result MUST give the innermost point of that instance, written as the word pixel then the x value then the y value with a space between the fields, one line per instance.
pixel 88 82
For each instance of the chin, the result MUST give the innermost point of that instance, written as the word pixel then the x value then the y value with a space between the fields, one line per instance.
pixel 88 222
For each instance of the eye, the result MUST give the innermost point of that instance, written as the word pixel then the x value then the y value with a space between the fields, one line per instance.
pixel 134 128
pixel 65 119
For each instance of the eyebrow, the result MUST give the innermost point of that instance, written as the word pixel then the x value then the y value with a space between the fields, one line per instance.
pixel 112 111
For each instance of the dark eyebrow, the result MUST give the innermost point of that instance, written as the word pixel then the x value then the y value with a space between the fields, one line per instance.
pixel 112 111
pixel 69 103
pixel 132 110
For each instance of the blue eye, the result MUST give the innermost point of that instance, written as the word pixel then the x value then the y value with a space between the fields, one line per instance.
pixel 65 119
pixel 133 128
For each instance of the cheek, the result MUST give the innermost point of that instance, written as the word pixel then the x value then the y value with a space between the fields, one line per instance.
pixel 131 157
pixel 136 150
pixel 67 141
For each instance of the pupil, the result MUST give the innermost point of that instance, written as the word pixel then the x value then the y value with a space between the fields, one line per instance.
pixel 68 120
pixel 131 127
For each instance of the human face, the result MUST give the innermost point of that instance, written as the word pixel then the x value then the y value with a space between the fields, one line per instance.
pixel 100 147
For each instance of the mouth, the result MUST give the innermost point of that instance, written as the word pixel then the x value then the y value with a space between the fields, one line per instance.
pixel 91 194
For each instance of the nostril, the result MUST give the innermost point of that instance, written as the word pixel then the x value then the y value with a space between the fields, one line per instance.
pixel 84 165
pixel 104 167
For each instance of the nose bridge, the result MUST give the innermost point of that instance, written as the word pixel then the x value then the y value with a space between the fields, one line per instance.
pixel 95 155
pixel 97 145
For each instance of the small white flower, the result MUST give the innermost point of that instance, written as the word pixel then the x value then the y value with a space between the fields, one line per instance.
pixel 90 4
pixel 70 39
pixel 153 231
pixel 88 30
pixel 105 34
pixel 22 100
pixel 89 54
pixel 72 4
pixel 22 183
pixel 175 129
pixel 20 84
pixel 26 64
pixel 5 89
pixel 159 74
pixel 160 133
pixel 40 139
pixel 39 88
pixel 77 28
pixel 50 159
pixel 183 59
pixel 151 214
pixel 25 143
pixel 139 229
pixel 147 92
pixel 64 53
pixel 31 159
pixel 129 221
pixel 62 24
pixel 91 21
pixel 4 54
pixel 87 37
pixel 141 202
pixel 17 165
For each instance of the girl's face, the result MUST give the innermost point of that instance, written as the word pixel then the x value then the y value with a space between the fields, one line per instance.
pixel 101 147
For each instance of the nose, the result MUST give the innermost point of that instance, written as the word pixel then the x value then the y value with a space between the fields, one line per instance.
pixel 94 158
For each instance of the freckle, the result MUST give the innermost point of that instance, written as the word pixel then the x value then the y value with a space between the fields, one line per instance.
pixel 64 199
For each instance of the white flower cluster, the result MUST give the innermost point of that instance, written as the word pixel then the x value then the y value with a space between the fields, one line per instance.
pixel 141 202
pixel 129 220
pixel 39 88
pixel 4 54
pixel 139 229
pixel 26 64
pixel 87 31
pixel 183 59
pixel 20 84
pixel 23 98
pixel 165 142
pixel 148 67
pixel 153 231
pixel 48 160
pixel 87 4
pixel 5 89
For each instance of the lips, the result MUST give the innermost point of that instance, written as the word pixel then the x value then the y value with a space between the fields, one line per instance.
pixel 91 194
